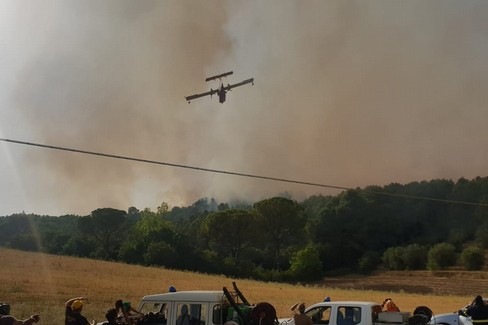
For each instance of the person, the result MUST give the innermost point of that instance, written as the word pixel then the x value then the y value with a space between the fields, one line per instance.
pixel 126 313
pixel 299 315
pixel 73 316
pixel 478 311
pixel 7 319
pixel 184 318
pixel 389 305
pixel 111 317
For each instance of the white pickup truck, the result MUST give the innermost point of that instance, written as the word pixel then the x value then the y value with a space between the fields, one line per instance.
pixel 203 308
pixel 356 313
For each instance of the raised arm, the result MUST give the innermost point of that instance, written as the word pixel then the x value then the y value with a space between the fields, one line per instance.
pixel 70 302
pixel 29 321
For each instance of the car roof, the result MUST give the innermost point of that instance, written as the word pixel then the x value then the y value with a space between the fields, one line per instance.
pixel 196 296
pixel 345 303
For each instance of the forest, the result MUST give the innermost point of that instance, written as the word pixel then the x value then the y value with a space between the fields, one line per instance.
pixel 432 225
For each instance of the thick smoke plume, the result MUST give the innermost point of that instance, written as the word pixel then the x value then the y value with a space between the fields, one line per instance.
pixel 346 93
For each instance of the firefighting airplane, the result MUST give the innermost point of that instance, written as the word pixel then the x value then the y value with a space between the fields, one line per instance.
pixel 222 89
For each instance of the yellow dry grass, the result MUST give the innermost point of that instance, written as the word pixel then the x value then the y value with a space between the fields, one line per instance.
pixel 42 283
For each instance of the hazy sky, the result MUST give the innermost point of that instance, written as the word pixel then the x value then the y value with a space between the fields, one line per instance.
pixel 347 93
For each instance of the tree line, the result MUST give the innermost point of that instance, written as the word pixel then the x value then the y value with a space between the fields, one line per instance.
pixel 280 239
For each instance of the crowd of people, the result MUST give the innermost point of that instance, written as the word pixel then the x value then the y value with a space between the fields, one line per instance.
pixel 124 313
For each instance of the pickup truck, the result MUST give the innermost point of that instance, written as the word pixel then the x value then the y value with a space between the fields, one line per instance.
pixel 203 308
pixel 356 313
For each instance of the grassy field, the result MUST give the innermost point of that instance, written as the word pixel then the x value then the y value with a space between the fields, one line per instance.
pixel 42 283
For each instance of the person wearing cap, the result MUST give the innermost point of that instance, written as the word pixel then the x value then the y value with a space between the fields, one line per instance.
pixel 299 316
pixel 7 319
pixel 73 315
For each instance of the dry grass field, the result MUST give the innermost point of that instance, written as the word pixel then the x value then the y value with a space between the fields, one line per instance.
pixel 41 283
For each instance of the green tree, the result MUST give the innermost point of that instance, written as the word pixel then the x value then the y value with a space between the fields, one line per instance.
pixel 103 225
pixel 369 262
pixel 473 258
pixel 160 253
pixel 154 227
pixel 481 236
pixel 415 257
pixel 441 256
pixel 282 222
pixel 393 258
pixel 306 264
pixel 228 232
pixel 151 228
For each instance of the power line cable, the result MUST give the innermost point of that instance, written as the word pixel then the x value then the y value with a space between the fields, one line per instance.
pixel 86 152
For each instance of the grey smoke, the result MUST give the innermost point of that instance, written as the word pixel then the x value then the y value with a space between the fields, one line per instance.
pixel 346 93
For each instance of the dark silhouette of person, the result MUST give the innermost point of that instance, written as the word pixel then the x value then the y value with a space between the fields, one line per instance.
pixel 478 311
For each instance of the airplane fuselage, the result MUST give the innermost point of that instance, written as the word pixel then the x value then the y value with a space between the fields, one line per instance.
pixel 222 94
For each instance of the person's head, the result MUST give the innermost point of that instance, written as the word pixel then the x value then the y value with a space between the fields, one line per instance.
pixel 4 309
pixel 119 304
pixel 301 308
pixel 184 309
pixel 478 301
pixel 111 315
pixel 77 306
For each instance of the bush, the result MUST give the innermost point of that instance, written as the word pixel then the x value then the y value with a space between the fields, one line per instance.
pixel 306 264
pixel 440 256
pixel 415 257
pixel 481 236
pixel 160 253
pixel 393 258
pixel 473 258
pixel 368 262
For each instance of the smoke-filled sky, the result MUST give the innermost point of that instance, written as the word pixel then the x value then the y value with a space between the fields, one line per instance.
pixel 347 93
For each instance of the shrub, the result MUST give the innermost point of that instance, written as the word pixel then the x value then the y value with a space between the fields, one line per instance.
pixel 306 264
pixel 393 258
pixel 473 258
pixel 440 256
pixel 415 257
pixel 368 262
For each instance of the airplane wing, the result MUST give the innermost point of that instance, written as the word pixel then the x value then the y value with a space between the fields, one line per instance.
pixel 208 93
pixel 219 76
pixel 242 83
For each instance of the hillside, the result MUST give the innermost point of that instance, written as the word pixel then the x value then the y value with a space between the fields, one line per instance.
pixel 41 283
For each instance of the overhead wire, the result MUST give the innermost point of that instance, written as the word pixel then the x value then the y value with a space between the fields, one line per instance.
pixel 218 171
